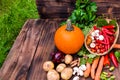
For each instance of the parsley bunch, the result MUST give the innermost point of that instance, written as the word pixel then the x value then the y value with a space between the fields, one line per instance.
pixel 84 14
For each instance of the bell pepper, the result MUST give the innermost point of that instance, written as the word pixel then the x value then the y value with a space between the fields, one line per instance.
pixel 106 60
pixel 113 58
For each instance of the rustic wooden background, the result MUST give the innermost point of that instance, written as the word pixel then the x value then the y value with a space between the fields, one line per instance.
pixel 35 41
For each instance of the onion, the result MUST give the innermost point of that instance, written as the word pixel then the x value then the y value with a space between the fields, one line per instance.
pixel 57 57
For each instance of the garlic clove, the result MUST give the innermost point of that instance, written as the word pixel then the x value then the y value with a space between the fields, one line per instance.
pixel 101 37
pixel 92 45
pixel 97 31
pixel 97 34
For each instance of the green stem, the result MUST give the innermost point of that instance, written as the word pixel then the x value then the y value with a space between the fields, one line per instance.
pixel 69 25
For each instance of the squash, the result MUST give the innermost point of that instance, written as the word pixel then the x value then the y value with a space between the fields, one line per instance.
pixel 69 38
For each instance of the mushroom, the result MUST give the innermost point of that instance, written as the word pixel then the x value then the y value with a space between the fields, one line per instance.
pixel 80 72
pixel 76 78
pixel 75 70
pixel 83 67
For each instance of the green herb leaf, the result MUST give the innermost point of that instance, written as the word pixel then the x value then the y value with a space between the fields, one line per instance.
pixel 91 55
pixel 90 60
pixel 82 51
pixel 113 22
pixel 101 22
pixel 83 61
pixel 84 14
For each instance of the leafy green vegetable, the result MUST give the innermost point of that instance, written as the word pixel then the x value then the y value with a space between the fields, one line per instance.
pixel 85 56
pixel 101 22
pixel 84 13
pixel 113 22
pixel 117 54
pixel 82 51
pixel 90 60
pixel 91 55
pixel 83 61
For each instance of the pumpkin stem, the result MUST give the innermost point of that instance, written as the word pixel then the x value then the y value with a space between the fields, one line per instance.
pixel 69 25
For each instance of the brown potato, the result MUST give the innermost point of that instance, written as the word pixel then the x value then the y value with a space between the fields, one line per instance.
pixel 68 59
pixel 48 65
pixel 66 74
pixel 53 75
pixel 60 67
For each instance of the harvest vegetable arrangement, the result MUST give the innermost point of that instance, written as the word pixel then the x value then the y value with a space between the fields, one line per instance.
pixel 72 60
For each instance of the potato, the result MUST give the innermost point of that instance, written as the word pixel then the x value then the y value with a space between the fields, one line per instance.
pixel 68 59
pixel 66 73
pixel 53 75
pixel 60 67
pixel 48 65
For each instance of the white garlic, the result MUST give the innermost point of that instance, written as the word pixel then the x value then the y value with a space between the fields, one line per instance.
pixel 96 31
pixel 101 37
pixel 76 78
pixel 93 33
pixel 97 34
pixel 92 45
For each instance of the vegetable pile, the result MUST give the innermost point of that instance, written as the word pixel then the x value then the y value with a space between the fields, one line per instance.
pixel 72 60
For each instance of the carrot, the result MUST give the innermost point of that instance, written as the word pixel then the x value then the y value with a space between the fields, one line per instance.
pixel 87 71
pixel 116 46
pixel 94 66
pixel 99 69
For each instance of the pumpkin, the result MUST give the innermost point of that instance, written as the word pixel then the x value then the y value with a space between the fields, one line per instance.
pixel 69 38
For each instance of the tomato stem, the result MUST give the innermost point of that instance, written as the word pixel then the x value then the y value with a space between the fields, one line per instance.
pixel 69 25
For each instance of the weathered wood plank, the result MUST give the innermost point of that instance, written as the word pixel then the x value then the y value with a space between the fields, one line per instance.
pixel 35 41
pixel 19 59
pixel 45 47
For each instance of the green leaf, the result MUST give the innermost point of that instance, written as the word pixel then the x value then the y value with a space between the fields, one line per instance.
pixel 91 55
pixel 101 22
pixel 93 7
pixel 83 61
pixel 90 60
pixel 82 51
pixel 113 22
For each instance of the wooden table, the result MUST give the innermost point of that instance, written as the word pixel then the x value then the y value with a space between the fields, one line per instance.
pixel 31 48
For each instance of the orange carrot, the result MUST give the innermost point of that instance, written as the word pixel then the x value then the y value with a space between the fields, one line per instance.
pixel 116 46
pixel 87 71
pixel 94 66
pixel 99 69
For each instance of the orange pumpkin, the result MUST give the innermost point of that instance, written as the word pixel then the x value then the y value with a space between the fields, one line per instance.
pixel 69 38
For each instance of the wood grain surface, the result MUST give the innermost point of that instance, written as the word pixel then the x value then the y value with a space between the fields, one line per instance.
pixel 31 48
pixel 35 41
